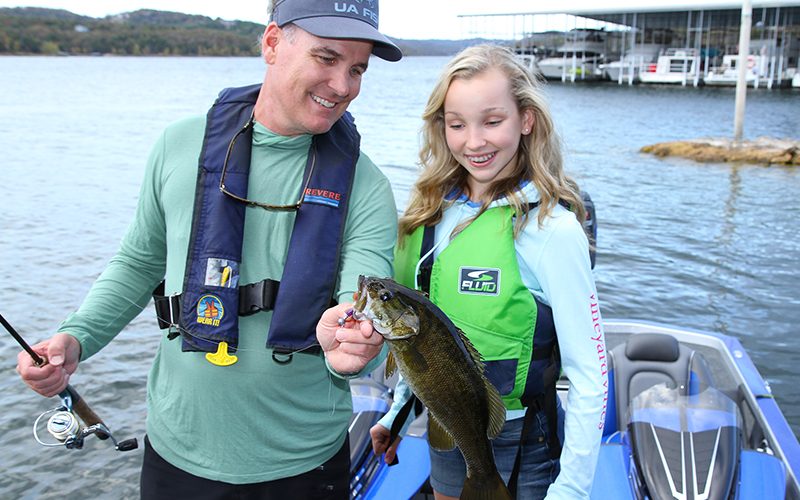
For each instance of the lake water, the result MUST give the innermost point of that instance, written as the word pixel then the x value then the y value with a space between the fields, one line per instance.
pixel 704 246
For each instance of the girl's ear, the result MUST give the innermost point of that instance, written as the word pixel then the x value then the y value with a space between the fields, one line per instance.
pixel 528 121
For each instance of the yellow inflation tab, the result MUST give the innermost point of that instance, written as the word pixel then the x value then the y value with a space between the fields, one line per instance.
pixel 221 357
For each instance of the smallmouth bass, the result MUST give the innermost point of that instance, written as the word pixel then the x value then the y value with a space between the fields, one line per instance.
pixel 445 372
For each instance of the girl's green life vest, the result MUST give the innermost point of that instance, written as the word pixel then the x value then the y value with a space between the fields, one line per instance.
pixel 476 281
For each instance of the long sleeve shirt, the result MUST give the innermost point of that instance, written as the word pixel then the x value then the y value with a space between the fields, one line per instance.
pixel 554 265
pixel 255 420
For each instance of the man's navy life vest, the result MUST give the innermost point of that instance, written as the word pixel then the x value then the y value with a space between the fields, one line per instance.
pixel 209 303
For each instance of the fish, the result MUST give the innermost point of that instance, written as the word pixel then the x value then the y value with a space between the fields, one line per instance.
pixel 445 372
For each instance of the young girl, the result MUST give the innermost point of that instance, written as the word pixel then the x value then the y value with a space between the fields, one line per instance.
pixel 487 235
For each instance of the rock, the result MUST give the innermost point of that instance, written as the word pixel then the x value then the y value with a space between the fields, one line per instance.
pixel 763 150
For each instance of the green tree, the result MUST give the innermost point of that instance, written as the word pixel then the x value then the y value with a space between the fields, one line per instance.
pixel 49 48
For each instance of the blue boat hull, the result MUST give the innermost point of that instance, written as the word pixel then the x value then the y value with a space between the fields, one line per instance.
pixel 724 436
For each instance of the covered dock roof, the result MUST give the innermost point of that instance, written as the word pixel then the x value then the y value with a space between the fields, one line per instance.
pixel 665 14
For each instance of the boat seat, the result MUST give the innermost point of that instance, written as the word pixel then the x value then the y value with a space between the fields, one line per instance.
pixel 649 359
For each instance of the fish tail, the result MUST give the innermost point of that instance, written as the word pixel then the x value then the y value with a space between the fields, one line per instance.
pixel 485 488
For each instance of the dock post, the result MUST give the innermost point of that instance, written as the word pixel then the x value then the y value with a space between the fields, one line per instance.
pixel 741 66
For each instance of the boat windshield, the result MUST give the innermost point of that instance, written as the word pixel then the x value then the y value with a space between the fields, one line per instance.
pixel 668 408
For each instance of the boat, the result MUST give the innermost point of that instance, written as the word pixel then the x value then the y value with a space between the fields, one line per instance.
pixel 674 66
pixel 529 60
pixel 370 476
pixel 727 74
pixel 577 59
pixel 796 80
pixel 628 67
pixel 688 417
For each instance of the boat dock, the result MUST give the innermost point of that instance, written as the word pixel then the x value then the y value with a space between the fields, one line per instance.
pixel 689 43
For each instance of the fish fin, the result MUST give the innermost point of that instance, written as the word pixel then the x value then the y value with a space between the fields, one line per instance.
pixel 474 354
pixel 491 488
pixel 391 366
pixel 497 410
pixel 438 437
pixel 416 361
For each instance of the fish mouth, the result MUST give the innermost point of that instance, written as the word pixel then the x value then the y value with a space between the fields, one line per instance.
pixel 361 307
pixel 368 308
pixel 362 310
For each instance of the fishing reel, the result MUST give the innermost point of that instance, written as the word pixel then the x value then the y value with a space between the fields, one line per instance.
pixel 68 430
pixel 63 423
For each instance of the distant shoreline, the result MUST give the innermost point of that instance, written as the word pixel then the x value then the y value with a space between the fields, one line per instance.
pixel 28 31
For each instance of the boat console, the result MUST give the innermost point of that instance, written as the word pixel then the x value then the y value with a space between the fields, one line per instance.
pixel 672 433
pixel 684 433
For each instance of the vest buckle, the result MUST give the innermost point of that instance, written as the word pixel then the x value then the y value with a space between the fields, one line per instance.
pixel 255 297
pixel 168 311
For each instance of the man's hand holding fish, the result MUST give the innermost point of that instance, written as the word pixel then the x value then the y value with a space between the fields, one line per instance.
pixel 348 345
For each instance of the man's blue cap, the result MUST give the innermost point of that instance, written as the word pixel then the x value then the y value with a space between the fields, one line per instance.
pixel 348 19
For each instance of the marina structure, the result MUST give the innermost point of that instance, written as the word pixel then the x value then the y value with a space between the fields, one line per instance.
pixel 680 43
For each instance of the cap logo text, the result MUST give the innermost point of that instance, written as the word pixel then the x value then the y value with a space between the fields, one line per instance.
pixel 350 8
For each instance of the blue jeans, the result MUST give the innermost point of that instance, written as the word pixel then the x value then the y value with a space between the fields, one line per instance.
pixel 537 470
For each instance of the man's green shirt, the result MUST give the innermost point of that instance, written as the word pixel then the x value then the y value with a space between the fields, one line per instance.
pixel 255 420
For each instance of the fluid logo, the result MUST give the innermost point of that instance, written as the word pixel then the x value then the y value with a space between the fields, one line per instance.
pixel 481 281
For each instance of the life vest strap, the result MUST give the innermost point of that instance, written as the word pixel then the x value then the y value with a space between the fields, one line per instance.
pixel 426 268
pixel 168 308
pixel 253 298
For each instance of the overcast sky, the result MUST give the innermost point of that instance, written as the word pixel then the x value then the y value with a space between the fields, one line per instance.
pixel 409 19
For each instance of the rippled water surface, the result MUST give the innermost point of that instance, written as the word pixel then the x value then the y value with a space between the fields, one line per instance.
pixel 704 246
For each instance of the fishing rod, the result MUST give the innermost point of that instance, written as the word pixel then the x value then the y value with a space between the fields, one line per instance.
pixel 63 424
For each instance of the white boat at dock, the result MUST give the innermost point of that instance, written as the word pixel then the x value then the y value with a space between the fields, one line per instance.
pixel 577 59
pixel 675 66
pixel 762 71
pixel 529 60
pixel 626 69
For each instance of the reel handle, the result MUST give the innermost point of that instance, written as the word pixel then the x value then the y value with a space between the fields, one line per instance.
pixel 128 445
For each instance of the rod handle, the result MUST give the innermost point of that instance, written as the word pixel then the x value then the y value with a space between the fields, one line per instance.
pixel 82 409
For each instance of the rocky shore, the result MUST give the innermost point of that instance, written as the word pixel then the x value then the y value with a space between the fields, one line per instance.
pixel 764 150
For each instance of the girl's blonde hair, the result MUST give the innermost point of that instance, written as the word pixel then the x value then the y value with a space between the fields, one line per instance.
pixel 539 159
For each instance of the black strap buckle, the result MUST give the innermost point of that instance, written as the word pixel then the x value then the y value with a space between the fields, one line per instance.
pixel 168 310
pixel 253 298
pixel 256 297
pixel 426 268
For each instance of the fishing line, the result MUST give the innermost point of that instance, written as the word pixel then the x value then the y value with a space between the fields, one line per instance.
pixel 185 332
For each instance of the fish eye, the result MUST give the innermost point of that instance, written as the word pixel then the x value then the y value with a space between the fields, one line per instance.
pixel 385 295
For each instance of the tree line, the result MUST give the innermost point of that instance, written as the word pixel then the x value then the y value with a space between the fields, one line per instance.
pixel 39 31
pixel 145 32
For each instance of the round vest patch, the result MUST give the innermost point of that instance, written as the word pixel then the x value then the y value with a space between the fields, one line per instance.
pixel 210 310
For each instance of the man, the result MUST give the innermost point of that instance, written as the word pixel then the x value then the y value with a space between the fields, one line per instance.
pixel 254 245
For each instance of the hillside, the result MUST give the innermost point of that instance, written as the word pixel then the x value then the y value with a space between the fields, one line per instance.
pixel 38 31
